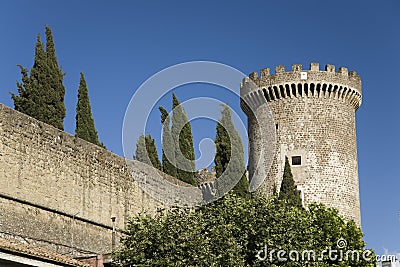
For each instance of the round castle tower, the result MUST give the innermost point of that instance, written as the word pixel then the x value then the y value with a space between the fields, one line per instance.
pixel 314 116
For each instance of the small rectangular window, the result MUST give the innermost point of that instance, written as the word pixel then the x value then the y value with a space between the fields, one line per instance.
pixel 296 160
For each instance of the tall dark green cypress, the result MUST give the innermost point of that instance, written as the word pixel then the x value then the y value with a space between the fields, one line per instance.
pixel 56 79
pixel 168 163
pixel 183 142
pixel 146 151
pixel 41 93
pixel 229 149
pixel 152 152
pixel 141 153
pixel 29 100
pixel 85 128
pixel 288 191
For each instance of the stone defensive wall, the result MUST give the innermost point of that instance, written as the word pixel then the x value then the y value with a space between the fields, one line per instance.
pixel 60 192
pixel 314 116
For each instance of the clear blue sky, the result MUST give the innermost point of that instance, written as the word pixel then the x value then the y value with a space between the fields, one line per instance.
pixel 120 44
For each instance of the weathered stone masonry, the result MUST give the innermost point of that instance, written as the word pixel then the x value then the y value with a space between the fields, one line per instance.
pixel 314 113
pixel 60 191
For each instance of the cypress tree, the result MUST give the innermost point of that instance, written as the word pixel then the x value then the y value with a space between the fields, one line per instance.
pixel 56 80
pixel 288 191
pixel 50 49
pixel 152 152
pixel 168 165
pixel 85 128
pixel 29 100
pixel 183 144
pixel 229 149
pixel 41 93
pixel 146 151
pixel 140 153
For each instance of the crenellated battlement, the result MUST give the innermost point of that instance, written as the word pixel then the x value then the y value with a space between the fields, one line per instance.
pixel 298 82
pixel 352 79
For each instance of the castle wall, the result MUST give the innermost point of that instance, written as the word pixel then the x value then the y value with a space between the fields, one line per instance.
pixel 56 232
pixel 51 180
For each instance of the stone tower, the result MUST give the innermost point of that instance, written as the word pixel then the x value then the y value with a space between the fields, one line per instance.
pixel 314 116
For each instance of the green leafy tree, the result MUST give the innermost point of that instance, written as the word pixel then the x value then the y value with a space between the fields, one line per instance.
pixel 288 191
pixel 85 128
pixel 235 231
pixel 229 157
pixel 146 151
pixel 168 163
pixel 41 93
pixel 181 131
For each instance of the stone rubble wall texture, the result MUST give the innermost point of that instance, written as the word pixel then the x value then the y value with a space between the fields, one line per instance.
pixel 38 227
pixel 314 113
pixel 60 191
